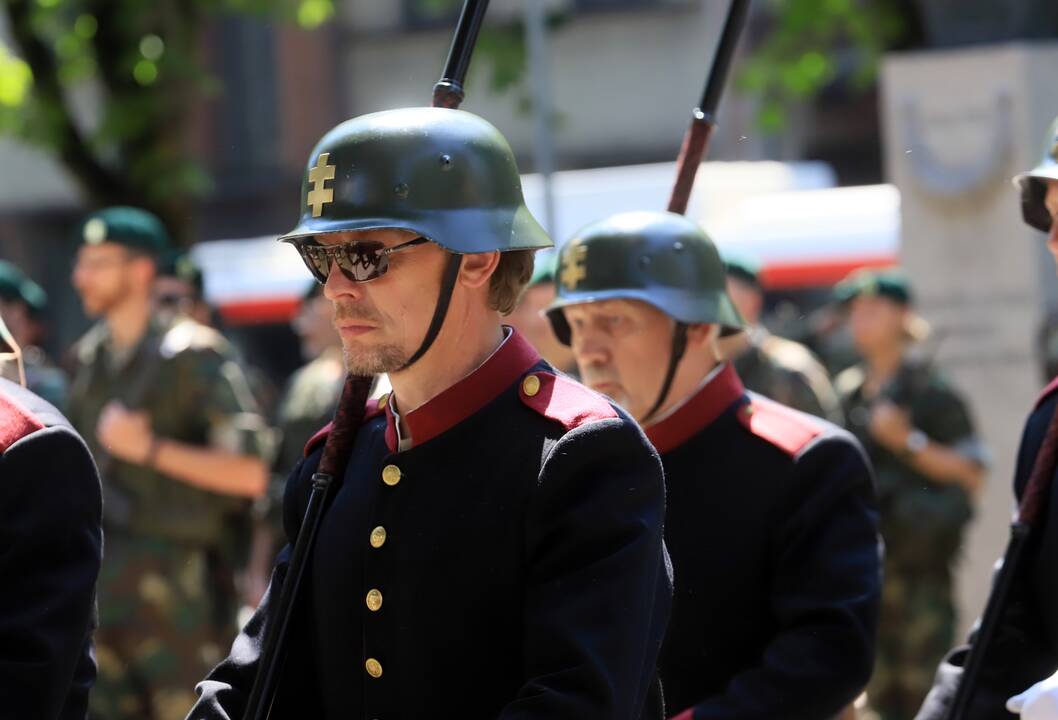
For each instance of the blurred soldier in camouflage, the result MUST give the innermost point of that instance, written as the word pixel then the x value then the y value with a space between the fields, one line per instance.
pixel 775 367
pixel 928 462
pixel 22 302
pixel 307 405
pixel 179 289
pixel 175 430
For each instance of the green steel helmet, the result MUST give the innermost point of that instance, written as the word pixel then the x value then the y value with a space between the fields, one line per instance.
pixel 1033 184
pixel 447 175
pixel 658 257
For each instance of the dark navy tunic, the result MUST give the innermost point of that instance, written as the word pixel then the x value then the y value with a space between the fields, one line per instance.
pixel 50 552
pixel 509 564
pixel 772 530
pixel 1025 648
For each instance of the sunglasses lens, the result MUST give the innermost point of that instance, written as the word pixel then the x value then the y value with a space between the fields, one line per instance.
pixel 358 261
pixel 315 259
pixel 362 261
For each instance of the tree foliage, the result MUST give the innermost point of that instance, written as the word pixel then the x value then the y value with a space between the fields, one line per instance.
pixel 810 44
pixel 108 87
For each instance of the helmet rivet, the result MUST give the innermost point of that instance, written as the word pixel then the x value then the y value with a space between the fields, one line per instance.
pixel 401 190
pixel 677 246
pixel 446 162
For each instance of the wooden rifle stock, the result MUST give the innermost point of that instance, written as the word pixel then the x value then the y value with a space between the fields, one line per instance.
pixel 703 119
pixel 1033 502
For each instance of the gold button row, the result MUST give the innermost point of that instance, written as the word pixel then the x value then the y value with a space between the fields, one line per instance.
pixel 374 600
pixel 378 537
pixel 373 667
pixel 391 475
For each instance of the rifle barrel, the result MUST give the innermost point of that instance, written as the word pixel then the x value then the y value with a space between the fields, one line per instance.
pixel 448 92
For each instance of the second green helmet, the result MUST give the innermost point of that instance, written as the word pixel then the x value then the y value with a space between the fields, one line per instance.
pixel 659 258
pixel 1033 184
pixel 447 175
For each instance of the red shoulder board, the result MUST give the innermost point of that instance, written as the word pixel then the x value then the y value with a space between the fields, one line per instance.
pixel 563 400
pixel 375 407
pixel 1047 392
pixel 16 422
pixel 783 427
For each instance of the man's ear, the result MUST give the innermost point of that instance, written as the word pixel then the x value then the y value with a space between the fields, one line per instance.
pixel 702 335
pixel 477 268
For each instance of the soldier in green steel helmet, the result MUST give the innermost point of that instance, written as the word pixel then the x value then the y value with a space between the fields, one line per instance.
pixel 497 516
pixel 168 415
pixel 1019 668
pixel 770 516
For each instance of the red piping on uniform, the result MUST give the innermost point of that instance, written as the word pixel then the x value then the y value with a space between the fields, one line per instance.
pixel 698 412
pixel 506 366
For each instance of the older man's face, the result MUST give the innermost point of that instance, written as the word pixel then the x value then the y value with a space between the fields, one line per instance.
pixel 1051 202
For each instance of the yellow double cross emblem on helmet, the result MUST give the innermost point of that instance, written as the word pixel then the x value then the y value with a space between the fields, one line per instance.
pixel 320 195
pixel 574 268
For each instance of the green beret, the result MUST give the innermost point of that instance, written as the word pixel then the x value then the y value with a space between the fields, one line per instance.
pixel 743 268
pixel 544 265
pixel 891 284
pixel 179 264
pixel 134 228
pixel 14 285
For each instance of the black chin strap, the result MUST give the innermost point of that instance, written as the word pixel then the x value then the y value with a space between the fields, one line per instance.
pixel 679 346
pixel 448 283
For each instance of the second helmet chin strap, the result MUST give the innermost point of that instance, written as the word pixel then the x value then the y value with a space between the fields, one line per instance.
pixel 679 347
pixel 448 283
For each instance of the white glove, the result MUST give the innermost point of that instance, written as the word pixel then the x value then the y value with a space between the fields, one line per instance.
pixel 1039 702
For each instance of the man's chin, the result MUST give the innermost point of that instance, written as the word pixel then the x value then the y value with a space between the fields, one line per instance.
pixel 373 360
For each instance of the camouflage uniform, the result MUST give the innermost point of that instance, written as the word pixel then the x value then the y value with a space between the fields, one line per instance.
pixel 789 373
pixel 165 591
pixel 308 404
pixel 922 524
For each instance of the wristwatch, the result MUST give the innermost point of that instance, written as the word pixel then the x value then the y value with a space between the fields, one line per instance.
pixel 916 442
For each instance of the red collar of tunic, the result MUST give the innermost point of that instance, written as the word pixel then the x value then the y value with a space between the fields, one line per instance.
pixel 697 412
pixel 512 359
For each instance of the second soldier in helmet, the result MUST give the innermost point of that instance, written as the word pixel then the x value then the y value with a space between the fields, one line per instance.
pixel 771 520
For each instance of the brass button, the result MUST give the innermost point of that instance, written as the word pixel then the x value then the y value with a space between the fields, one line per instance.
pixel 374 600
pixel 373 667
pixel 378 537
pixel 383 401
pixel 391 475
pixel 531 385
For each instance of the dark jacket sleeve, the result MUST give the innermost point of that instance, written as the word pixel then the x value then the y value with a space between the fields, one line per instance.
pixel 50 553
pixel 826 590
pixel 598 595
pixel 225 691
pixel 1021 654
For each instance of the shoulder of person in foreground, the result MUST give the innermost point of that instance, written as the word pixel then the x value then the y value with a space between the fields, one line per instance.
pixel 50 515
pixel 598 590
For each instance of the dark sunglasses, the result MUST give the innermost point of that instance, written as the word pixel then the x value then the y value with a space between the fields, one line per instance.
pixel 359 261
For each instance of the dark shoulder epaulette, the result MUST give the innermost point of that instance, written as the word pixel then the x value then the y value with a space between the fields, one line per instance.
pixel 1047 392
pixel 563 400
pixel 375 407
pixel 785 428
pixel 16 422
